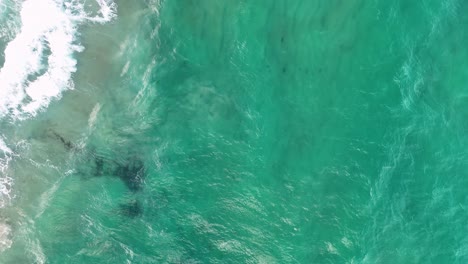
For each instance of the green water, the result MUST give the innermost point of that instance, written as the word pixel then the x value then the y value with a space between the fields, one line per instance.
pixel 264 131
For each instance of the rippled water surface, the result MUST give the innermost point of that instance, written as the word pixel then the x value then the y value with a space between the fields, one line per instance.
pixel 266 131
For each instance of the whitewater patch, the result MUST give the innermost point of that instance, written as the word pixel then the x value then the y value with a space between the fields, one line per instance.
pixel 39 61
pixel 6 182
pixel 5 236
pixel 93 115
pixel 4 148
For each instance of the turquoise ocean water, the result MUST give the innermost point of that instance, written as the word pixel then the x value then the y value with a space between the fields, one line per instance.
pixel 253 131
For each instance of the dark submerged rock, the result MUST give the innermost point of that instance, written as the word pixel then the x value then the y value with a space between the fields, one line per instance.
pixel 99 166
pixel 68 145
pixel 132 173
pixel 131 209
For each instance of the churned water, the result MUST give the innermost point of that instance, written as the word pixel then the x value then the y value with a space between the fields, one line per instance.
pixel 255 131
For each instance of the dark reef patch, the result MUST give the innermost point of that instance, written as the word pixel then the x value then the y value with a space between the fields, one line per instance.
pixel 66 143
pixel 131 209
pixel 99 166
pixel 132 173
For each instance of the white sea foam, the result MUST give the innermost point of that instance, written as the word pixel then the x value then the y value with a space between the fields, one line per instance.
pixel 5 236
pixel 107 10
pixel 6 182
pixel 4 148
pixel 93 115
pixel 39 61
pixel 5 190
